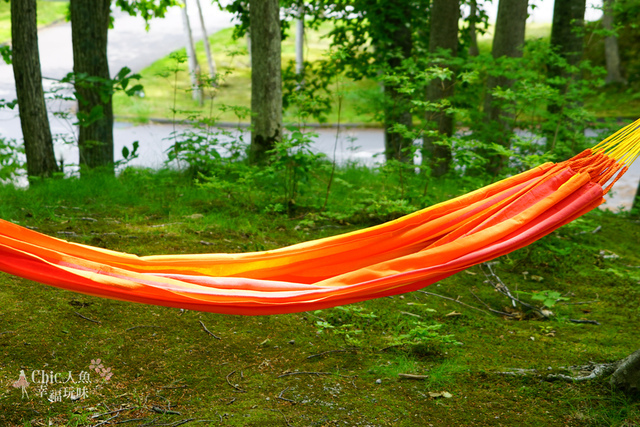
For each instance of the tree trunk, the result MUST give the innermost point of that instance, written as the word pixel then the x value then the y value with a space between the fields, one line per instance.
pixel 567 39
pixel 443 35
pixel 89 26
pixel 300 40
pixel 194 67
pixel 397 104
pixel 473 35
pixel 611 52
pixel 627 375
pixel 207 47
pixel 266 78
pixel 38 144
pixel 508 41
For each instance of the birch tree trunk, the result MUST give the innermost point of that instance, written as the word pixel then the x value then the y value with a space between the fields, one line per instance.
pixel 207 47
pixel 38 144
pixel 300 40
pixel 194 67
pixel 266 78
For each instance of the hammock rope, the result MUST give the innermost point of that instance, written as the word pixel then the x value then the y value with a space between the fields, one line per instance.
pixel 396 257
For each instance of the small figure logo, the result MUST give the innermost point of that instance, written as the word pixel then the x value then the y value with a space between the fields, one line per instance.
pixel 22 383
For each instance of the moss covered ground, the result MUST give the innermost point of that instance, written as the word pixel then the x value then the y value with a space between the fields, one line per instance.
pixel 331 367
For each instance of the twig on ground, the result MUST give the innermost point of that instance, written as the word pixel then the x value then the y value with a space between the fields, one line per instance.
pixel 130 420
pixel 454 300
pixel 235 386
pixel 590 322
pixel 87 318
pixel 341 350
pixel 502 313
pixel 413 376
pixel 160 410
pixel 284 398
pixel 578 302
pixel 410 314
pixel 111 412
pixel 106 421
pixel 169 387
pixel 208 331
pixel 283 415
pixel 7 332
pixel 231 401
pixel 503 289
pixel 141 326
pixel 287 374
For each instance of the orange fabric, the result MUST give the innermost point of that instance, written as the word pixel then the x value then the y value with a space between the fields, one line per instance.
pixel 399 256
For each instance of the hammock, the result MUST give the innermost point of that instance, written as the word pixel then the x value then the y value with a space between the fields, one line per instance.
pixel 396 257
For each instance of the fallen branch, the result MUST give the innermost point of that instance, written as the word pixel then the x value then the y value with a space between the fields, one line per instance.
pixel 160 410
pixel 208 331
pixel 142 326
pixel 284 398
pixel 342 350
pixel 286 374
pixel 413 376
pixel 454 300
pixel 235 386
pixel 590 322
pixel 595 371
pixel 86 318
pixel 502 313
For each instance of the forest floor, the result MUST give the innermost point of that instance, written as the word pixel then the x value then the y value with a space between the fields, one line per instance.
pixel 331 367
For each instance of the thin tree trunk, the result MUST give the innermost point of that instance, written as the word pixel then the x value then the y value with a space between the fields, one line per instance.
pixel 627 375
pixel 194 67
pixel 508 41
pixel 207 47
pixel 266 78
pixel 611 52
pixel 473 35
pixel 443 35
pixel 567 39
pixel 89 27
pixel 397 108
pixel 38 144
pixel 300 40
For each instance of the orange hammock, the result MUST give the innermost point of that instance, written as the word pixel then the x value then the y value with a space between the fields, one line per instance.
pixel 396 257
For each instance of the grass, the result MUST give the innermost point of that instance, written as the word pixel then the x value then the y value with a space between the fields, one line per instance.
pixel 168 361
pixel 48 12
pixel 168 78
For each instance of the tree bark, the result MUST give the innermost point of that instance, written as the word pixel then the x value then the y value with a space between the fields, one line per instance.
pixel 443 35
pixel 473 34
pixel 300 40
pixel 194 66
pixel 627 375
pixel 567 39
pixel 41 161
pixel 89 26
pixel 266 78
pixel 398 47
pixel 508 41
pixel 207 47
pixel 611 51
